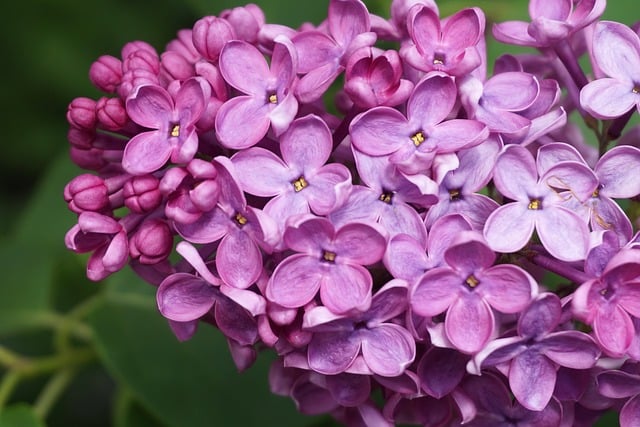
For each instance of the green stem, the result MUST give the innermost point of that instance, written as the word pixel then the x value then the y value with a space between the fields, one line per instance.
pixel 8 358
pixel 70 323
pixel 47 364
pixel 52 391
pixel 9 382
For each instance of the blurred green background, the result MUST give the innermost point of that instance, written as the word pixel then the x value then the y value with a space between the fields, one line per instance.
pixel 141 376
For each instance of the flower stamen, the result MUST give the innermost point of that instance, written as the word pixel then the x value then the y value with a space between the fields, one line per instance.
pixel 535 204
pixel 418 138
pixel 329 256
pixel 299 184
pixel 471 281
pixel 454 194
pixel 386 197
pixel 240 219
pixel 175 131
pixel 273 98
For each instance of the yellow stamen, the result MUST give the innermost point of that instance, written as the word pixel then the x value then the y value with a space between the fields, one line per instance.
pixel 595 193
pixel 418 139
pixel 273 98
pixel 438 61
pixel 535 204
pixel 299 184
pixel 175 131
pixel 471 281
pixel 386 197
pixel 636 89
pixel 240 219
pixel 329 256
pixel 454 195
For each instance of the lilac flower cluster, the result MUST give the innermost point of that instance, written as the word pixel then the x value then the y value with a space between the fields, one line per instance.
pixel 439 241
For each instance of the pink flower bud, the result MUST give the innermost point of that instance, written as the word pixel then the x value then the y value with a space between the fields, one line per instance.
pixel 209 36
pixel 246 21
pixel 89 158
pixel 142 60
pixel 135 46
pixel 152 242
pixel 141 194
pixel 82 113
pixel 111 113
pixel 81 138
pixel 106 73
pixel 184 46
pixel 86 192
pixel 176 66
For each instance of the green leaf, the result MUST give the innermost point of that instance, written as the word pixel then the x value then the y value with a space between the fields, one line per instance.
pixel 19 415
pixel 184 384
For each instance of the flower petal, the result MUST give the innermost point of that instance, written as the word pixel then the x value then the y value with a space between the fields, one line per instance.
pixel 331 353
pixel 146 152
pixel 616 50
pixel 608 98
pixel 507 288
pixel 262 173
pixel 469 323
pixel 563 233
pixel 346 287
pixel 436 290
pixel 238 260
pixel 388 349
pixel 532 378
pixel 295 281
pixel 242 122
pixel 509 228
pixel 244 67
pixel 183 297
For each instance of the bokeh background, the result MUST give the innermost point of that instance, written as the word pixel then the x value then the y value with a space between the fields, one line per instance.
pixel 141 376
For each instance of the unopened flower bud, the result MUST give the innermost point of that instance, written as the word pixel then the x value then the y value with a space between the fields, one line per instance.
pixel 246 21
pixel 141 194
pixel 209 36
pixel 87 158
pixel 176 66
pixel 86 192
pixel 106 73
pixel 111 113
pixel 82 113
pixel 152 242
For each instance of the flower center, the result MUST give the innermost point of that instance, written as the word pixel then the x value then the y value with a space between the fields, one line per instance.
pixel 454 194
pixel 240 219
pixel 438 59
pixel 273 98
pixel 535 204
pixel 300 184
pixel 471 281
pixel 418 138
pixel 386 197
pixel 636 89
pixel 329 256
pixel 175 131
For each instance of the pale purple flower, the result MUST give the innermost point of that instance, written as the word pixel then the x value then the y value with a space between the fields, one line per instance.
pixel 268 99
pixel 408 258
pixel 616 51
pixel 328 260
pixel 301 181
pixel 458 189
pixel 387 348
pixel 241 229
pixel 538 204
pixel 454 46
pixel 610 302
pixel 535 354
pixel 323 56
pixel 469 288
pixel 414 141
pixel 172 119
pixel 385 198
pixel 551 21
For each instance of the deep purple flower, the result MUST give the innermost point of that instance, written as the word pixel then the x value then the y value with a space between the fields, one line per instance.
pixel 538 204
pixel 387 348
pixel 616 51
pixel 469 288
pixel 173 119
pixel 268 98
pixel 413 142
pixel 300 181
pixel 535 354
pixel 621 384
pixel 328 260
pixel 610 302
pixel 454 46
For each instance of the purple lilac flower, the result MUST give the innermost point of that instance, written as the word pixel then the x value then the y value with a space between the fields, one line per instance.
pixel 610 302
pixel 454 46
pixel 620 384
pixel 301 181
pixel 538 204
pixel 616 52
pixel 458 189
pixel 242 231
pixel 328 260
pixel 534 355
pixel 323 55
pixel 469 288
pixel 413 142
pixel 244 120
pixel 387 348
pixel 173 119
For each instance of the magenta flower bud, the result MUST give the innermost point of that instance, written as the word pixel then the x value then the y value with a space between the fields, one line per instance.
pixel 141 194
pixel 209 36
pixel 82 113
pixel 81 138
pixel 183 45
pixel 246 21
pixel 152 242
pixel 176 67
pixel 132 79
pixel 90 159
pixel 106 73
pixel 131 48
pixel 111 113
pixel 86 192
